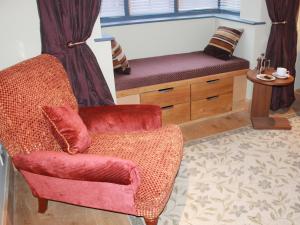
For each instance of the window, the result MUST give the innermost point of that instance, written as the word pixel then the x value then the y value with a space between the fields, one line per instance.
pixel 120 10
pixel 185 5
pixel 112 8
pixel 231 5
pixel 146 7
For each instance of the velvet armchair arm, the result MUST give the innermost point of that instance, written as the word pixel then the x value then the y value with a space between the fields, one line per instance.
pixel 121 118
pixel 84 167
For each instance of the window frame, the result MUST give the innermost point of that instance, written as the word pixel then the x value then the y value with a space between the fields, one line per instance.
pixel 176 14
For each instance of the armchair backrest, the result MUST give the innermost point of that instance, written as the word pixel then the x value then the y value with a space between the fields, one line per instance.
pixel 24 89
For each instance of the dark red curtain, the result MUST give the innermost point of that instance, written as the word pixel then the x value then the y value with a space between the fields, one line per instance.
pixel 65 26
pixel 282 46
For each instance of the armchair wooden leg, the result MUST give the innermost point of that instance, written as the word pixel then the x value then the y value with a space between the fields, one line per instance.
pixel 43 205
pixel 151 221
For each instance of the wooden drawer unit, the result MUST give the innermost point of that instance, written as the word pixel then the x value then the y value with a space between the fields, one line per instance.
pixel 191 99
pixel 210 106
pixel 167 96
pixel 176 114
pixel 209 88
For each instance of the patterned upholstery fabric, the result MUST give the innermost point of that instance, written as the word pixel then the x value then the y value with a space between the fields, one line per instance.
pixel 156 183
pixel 25 89
pixel 120 61
pixel 223 42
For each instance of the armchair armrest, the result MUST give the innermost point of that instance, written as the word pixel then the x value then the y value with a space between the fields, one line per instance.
pixel 86 167
pixel 120 118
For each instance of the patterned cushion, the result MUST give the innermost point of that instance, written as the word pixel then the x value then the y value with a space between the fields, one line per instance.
pixel 69 129
pixel 223 42
pixel 120 61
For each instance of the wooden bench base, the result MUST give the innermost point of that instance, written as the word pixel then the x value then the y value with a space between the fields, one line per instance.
pixel 192 99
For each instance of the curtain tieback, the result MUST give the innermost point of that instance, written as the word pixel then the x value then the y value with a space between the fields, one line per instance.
pixel 280 23
pixel 72 45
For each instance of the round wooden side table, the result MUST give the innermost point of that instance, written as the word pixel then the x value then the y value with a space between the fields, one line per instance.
pixel 261 99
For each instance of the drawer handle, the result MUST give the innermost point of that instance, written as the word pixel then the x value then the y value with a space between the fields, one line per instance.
pixel 166 89
pixel 167 107
pixel 212 98
pixel 212 81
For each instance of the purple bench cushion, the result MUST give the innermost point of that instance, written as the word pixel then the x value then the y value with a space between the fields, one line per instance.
pixel 162 69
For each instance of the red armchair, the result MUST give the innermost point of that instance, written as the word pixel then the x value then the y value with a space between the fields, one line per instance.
pixel 130 166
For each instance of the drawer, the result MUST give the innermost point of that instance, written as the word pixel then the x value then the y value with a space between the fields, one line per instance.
pixel 129 100
pixel 213 87
pixel 211 106
pixel 167 96
pixel 176 114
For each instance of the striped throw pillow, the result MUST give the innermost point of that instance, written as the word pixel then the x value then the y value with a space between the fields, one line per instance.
pixel 120 61
pixel 223 42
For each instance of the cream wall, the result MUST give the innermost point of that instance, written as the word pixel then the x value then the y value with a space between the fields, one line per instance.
pixel 20 34
pixel 254 10
pixel 163 38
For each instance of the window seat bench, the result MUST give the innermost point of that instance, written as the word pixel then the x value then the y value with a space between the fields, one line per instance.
pixel 187 86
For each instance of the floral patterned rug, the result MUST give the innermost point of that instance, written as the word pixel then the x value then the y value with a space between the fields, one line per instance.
pixel 241 177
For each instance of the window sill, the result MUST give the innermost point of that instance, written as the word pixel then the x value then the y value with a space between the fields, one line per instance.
pixel 224 16
pixel 105 37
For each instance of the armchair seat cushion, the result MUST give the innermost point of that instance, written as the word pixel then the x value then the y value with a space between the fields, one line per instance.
pixel 164 150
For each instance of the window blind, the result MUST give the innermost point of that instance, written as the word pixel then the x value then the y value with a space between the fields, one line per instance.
pixel 150 7
pixel 231 5
pixel 116 8
pixel 185 5
pixel 112 8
